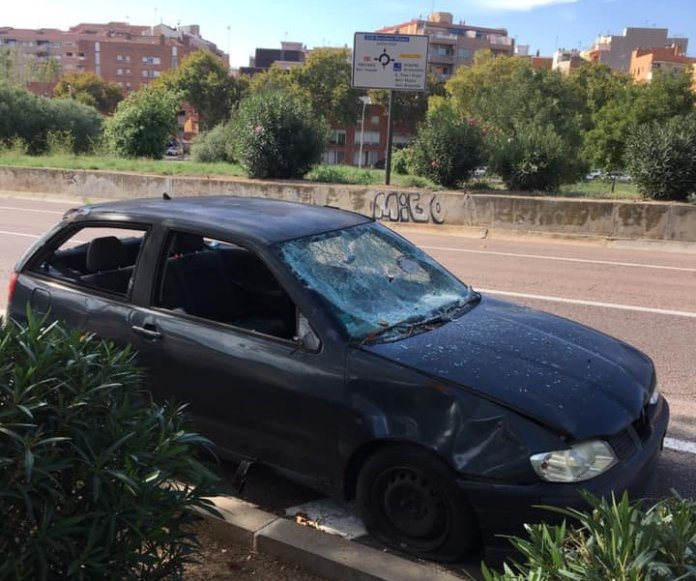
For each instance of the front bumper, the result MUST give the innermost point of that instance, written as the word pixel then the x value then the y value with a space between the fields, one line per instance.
pixel 503 509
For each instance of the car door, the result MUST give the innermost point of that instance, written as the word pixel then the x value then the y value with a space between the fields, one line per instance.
pixel 84 277
pixel 254 390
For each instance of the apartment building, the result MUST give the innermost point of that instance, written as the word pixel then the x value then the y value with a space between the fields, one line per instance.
pixel 364 143
pixel 454 44
pixel 290 54
pixel 616 50
pixel 645 62
pixel 118 52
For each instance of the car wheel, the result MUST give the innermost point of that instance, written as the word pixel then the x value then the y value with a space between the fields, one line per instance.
pixel 409 500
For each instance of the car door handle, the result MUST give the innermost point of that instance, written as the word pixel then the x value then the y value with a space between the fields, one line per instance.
pixel 147 332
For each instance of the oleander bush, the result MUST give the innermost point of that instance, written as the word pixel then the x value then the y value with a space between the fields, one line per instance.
pixel 447 149
pixel 96 481
pixel 614 539
pixel 533 159
pixel 276 134
pixel 213 146
pixel 661 158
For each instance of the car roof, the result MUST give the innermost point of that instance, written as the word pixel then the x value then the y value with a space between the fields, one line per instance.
pixel 264 220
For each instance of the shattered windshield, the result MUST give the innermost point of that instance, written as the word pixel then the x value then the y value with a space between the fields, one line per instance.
pixel 378 284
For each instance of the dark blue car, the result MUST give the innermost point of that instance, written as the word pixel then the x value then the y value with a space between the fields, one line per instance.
pixel 321 343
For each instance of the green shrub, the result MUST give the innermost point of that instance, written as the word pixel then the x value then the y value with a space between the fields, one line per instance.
pixel 277 135
pixel 143 123
pixel 340 174
pixel 535 158
pixel 661 158
pixel 87 463
pixel 213 146
pixel 60 142
pixel 447 149
pixel 402 161
pixel 30 118
pixel 614 540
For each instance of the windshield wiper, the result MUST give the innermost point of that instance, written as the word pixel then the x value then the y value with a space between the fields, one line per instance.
pixel 408 326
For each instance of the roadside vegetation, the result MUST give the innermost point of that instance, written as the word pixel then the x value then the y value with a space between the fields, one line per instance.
pixel 97 482
pixel 498 123
pixel 613 539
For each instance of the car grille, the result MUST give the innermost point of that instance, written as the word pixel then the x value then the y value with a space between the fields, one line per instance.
pixel 631 439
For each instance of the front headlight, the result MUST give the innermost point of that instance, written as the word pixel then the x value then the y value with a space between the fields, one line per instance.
pixel 582 461
pixel 655 396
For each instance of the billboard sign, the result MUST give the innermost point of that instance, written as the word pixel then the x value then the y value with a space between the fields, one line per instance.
pixel 398 62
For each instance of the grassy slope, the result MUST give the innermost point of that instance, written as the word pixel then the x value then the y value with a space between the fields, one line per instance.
pixel 334 174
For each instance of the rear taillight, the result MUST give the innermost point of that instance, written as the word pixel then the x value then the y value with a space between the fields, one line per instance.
pixel 13 285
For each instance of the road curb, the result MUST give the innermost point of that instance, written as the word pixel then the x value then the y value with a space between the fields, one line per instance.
pixel 318 552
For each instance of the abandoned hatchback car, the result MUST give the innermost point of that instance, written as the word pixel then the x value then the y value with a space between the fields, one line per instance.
pixel 319 342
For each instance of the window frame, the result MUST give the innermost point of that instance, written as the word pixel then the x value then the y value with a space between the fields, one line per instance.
pixel 55 242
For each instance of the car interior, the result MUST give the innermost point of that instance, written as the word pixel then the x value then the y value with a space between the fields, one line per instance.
pixel 210 279
pixel 224 282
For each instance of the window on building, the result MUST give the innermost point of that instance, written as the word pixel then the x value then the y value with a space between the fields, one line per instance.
pixel 337 137
pixel 151 60
pixel 333 157
pixel 463 53
pixel 368 137
pixel 119 71
pixel 374 120
pixel 442 50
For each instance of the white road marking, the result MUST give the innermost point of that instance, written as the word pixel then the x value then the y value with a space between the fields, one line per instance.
pixel 680 445
pixel 561 258
pixel 621 307
pixel 14 208
pixel 8 233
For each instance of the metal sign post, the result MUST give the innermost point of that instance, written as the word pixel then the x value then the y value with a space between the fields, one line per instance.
pixel 396 62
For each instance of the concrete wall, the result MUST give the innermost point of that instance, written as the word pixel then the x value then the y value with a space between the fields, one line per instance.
pixel 565 216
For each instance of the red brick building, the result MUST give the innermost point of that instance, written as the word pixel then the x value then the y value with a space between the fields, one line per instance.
pixel 117 52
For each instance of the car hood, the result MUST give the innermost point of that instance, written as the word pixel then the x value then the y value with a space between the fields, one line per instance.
pixel 574 379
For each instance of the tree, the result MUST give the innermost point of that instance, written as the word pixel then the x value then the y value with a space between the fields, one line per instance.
pixel 506 92
pixel 18 67
pixel 143 122
pixel 91 90
pixel 204 81
pixel 661 158
pixel 272 79
pixel 633 105
pixel 276 134
pixel 325 80
pixel 31 118
pixel 448 149
pixel 534 158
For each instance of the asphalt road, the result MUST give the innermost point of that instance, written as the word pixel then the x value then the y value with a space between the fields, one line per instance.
pixel 645 297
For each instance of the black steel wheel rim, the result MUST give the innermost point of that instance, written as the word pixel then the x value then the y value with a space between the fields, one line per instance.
pixel 412 505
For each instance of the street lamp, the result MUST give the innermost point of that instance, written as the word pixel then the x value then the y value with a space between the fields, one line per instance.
pixel 365 101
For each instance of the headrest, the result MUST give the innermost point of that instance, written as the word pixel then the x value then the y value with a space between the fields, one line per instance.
pixel 186 243
pixel 106 253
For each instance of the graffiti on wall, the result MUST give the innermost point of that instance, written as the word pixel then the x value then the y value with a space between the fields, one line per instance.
pixel 69 177
pixel 408 207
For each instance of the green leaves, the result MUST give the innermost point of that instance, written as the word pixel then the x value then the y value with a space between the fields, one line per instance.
pixel 277 135
pixel 86 462
pixel 31 119
pixel 613 539
pixel 143 123
pixel 661 158
pixel 448 148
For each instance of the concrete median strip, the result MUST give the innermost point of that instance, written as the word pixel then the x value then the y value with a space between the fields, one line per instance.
pixel 324 554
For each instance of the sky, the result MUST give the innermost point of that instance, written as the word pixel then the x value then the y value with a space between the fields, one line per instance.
pixel 239 26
